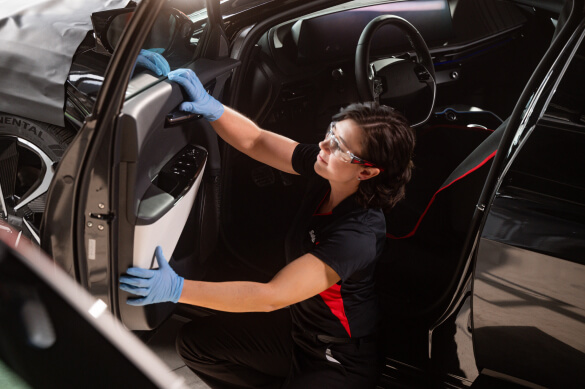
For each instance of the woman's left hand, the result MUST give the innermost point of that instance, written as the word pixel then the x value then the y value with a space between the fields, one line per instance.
pixel 155 286
pixel 152 60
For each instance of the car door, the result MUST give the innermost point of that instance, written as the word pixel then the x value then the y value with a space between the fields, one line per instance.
pixel 140 173
pixel 528 303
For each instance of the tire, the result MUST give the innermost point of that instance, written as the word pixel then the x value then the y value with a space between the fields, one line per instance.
pixel 53 140
pixel 28 151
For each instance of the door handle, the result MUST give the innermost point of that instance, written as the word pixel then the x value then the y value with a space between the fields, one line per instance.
pixel 176 118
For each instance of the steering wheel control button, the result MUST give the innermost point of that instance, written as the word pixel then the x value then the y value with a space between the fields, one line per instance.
pixel 451 115
pixel 421 73
pixel 378 87
pixel 337 74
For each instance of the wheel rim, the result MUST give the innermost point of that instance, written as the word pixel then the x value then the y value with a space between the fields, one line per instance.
pixel 25 175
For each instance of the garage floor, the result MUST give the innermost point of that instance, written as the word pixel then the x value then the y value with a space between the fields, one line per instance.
pixel 163 345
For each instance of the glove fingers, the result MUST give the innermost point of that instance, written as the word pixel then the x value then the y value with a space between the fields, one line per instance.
pixel 182 79
pixel 167 67
pixel 200 101
pixel 176 74
pixel 160 258
pixel 146 53
pixel 154 62
pixel 161 65
pixel 189 107
pixel 140 272
pixel 135 290
pixel 196 85
pixel 188 80
pixel 135 281
pixel 146 63
pixel 181 72
pixel 191 76
pixel 136 301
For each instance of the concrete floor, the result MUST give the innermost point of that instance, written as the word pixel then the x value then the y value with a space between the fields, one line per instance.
pixel 163 345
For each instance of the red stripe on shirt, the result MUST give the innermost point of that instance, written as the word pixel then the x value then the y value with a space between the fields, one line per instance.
pixel 334 301
pixel 321 203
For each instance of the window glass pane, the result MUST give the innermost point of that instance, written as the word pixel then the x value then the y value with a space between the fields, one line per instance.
pixel 568 102
pixel 551 164
pixel 170 44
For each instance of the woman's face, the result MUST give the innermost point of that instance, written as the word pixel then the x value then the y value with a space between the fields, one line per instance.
pixel 328 165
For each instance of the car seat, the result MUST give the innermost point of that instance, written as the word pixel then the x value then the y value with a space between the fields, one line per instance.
pixel 425 243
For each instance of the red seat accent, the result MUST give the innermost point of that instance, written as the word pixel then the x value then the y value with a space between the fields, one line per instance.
pixel 411 233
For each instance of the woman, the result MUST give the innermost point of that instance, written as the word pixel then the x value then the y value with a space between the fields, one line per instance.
pixel 329 335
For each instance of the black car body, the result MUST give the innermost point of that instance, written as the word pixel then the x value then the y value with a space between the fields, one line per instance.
pixel 53 331
pixel 482 279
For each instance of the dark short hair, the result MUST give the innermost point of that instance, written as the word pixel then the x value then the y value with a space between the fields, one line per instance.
pixel 388 142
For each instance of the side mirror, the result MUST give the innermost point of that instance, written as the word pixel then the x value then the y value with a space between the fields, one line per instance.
pixel 110 25
pixel 106 41
pixel 116 27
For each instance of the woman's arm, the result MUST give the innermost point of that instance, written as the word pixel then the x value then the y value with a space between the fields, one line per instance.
pixel 264 146
pixel 299 280
pixel 303 278
pixel 237 130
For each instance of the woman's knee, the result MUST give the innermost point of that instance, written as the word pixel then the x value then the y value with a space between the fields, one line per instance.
pixel 193 340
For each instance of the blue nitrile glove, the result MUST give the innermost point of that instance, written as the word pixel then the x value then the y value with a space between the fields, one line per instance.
pixel 200 101
pixel 156 286
pixel 152 60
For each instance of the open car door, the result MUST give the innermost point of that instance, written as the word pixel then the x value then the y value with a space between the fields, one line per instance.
pixel 528 297
pixel 133 178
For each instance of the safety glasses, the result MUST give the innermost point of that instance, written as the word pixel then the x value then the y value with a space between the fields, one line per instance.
pixel 334 146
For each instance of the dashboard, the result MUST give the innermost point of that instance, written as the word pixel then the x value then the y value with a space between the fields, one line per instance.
pixel 304 68
pixel 334 36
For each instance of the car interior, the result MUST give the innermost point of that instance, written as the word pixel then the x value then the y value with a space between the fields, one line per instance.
pixel 224 216
pixel 302 71
pixel 129 171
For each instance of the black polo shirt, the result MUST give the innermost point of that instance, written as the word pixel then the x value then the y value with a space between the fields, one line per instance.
pixel 349 240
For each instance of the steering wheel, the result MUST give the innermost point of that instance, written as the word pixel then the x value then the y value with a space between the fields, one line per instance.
pixel 408 86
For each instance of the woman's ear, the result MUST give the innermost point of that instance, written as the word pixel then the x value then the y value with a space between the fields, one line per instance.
pixel 367 173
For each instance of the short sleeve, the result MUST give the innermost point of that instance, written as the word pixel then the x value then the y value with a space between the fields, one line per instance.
pixel 303 159
pixel 348 249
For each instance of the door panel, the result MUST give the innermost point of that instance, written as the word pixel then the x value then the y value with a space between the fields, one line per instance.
pixel 160 171
pixel 528 299
pixel 130 180
pixel 528 295
pixel 168 204
pixel 161 174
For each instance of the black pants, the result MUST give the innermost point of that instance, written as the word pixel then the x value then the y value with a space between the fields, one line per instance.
pixel 257 350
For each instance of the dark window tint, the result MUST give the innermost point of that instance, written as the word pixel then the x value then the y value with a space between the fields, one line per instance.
pixel 568 102
pixel 551 163
pixel 476 19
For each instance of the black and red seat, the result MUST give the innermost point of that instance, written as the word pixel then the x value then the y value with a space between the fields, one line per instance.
pixel 427 230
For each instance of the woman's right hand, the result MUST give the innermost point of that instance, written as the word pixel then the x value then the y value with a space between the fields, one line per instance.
pixel 200 101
